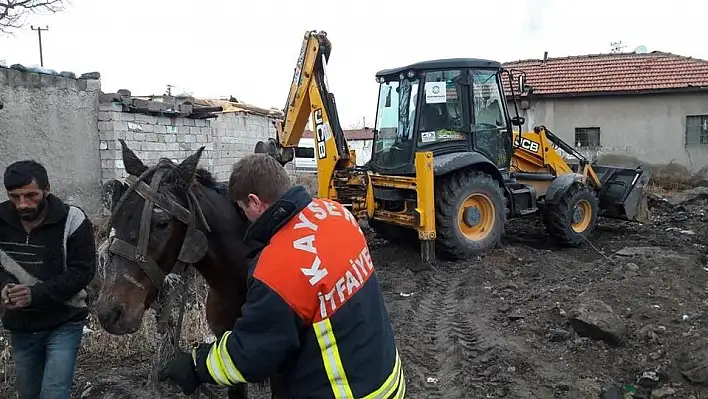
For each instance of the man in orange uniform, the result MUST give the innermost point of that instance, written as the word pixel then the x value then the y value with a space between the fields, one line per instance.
pixel 314 310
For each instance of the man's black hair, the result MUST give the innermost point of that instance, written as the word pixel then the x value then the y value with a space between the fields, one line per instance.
pixel 22 173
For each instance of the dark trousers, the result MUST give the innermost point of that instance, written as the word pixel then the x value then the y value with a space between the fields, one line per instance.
pixel 45 361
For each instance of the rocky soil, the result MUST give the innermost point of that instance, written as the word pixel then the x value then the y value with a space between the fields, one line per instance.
pixel 624 316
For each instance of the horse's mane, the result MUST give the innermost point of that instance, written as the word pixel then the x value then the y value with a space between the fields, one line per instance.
pixel 201 175
pixel 206 179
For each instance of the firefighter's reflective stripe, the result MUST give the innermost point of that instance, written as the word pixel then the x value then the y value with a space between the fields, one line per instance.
pixel 331 359
pixel 394 383
pixel 220 365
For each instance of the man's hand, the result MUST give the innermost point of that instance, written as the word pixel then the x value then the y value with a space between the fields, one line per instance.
pixel 181 370
pixel 19 296
pixel 3 294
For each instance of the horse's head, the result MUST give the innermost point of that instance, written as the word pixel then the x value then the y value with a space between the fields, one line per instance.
pixel 155 224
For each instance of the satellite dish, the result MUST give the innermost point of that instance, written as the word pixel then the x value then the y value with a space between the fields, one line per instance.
pixel 641 49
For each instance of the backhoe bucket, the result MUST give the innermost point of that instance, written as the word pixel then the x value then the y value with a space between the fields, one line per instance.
pixel 623 193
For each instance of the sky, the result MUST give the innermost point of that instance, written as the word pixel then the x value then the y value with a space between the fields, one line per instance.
pixel 218 48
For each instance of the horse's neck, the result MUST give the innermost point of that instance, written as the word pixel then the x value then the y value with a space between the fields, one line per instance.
pixel 224 264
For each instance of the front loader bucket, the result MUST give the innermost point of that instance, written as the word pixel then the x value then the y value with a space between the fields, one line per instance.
pixel 623 193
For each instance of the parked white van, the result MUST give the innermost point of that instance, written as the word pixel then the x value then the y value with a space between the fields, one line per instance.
pixel 305 155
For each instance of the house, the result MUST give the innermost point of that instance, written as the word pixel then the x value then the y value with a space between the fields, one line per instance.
pixel 652 106
pixel 359 140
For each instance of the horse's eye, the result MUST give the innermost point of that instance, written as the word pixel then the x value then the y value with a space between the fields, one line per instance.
pixel 162 225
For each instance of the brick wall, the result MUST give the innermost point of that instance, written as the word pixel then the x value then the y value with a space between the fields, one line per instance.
pixel 226 138
pixel 235 134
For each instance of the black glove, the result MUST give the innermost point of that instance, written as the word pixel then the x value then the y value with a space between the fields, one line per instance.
pixel 181 370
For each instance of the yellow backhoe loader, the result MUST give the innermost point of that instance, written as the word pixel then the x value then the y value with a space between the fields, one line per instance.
pixel 446 163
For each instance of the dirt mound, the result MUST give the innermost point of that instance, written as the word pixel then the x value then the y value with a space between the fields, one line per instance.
pixel 625 313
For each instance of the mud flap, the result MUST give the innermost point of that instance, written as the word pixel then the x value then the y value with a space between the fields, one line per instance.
pixel 623 194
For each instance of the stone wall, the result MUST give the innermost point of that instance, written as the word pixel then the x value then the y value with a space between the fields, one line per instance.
pixel 53 120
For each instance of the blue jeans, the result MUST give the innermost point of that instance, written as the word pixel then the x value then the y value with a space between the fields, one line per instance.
pixel 45 361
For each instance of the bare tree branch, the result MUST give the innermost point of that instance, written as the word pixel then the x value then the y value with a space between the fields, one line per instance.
pixel 13 13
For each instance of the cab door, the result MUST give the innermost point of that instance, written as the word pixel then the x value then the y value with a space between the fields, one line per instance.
pixel 489 126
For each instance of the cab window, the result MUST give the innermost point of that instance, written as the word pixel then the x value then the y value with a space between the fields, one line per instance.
pixel 488 111
pixel 441 109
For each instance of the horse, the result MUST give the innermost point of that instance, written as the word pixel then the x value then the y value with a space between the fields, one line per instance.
pixel 173 214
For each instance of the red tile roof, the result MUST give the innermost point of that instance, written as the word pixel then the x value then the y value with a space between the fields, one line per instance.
pixel 355 134
pixel 606 73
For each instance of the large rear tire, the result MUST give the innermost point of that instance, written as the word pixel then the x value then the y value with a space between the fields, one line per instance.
pixel 470 214
pixel 572 220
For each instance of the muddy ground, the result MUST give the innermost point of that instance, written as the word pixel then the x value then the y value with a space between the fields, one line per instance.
pixel 500 325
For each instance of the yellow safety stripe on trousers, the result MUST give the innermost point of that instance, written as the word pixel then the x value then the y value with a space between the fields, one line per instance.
pixel 220 366
pixel 331 359
pixel 395 382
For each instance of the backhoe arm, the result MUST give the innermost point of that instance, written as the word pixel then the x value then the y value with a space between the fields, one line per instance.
pixel 309 96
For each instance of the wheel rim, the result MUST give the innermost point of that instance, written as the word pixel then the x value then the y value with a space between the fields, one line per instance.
pixel 582 215
pixel 476 217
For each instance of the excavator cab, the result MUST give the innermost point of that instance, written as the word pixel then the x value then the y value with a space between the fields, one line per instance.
pixel 452 113
pixel 443 107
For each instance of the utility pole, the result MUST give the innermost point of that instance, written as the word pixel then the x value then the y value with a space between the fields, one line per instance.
pixel 39 34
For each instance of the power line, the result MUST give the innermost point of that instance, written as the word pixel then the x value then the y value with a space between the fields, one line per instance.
pixel 39 35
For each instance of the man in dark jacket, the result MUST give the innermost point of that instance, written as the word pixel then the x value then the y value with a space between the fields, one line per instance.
pixel 314 310
pixel 47 259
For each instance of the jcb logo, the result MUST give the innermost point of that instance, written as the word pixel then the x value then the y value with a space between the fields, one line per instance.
pixel 526 144
pixel 320 136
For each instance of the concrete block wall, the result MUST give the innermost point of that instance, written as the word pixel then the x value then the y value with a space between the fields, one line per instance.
pixel 235 135
pixel 226 139
pixel 151 138
pixel 67 124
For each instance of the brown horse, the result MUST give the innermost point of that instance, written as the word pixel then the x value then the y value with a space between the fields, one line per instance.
pixel 172 214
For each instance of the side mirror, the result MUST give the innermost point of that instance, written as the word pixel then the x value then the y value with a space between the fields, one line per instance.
pixel 521 84
pixel 518 121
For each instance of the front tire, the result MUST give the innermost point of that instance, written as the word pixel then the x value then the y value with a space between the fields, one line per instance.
pixel 470 214
pixel 572 220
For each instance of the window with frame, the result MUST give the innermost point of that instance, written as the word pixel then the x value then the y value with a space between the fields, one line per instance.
pixel 304 152
pixel 441 113
pixel 697 130
pixel 587 137
pixel 488 111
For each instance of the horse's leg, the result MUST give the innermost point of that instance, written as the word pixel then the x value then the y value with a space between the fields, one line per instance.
pixel 221 318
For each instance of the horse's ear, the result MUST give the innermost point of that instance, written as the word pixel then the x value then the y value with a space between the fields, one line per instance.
pixel 133 165
pixel 111 193
pixel 188 167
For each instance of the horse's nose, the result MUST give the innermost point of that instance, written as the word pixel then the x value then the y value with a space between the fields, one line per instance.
pixel 113 317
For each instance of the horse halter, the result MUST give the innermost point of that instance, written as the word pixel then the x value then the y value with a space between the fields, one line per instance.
pixel 194 245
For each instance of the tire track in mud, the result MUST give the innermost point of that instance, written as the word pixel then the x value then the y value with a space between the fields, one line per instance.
pixel 444 341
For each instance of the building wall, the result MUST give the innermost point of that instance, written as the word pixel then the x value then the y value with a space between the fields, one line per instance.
pixel 363 150
pixel 235 134
pixel 53 119
pixel 649 127
pixel 225 139
pixel 61 122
